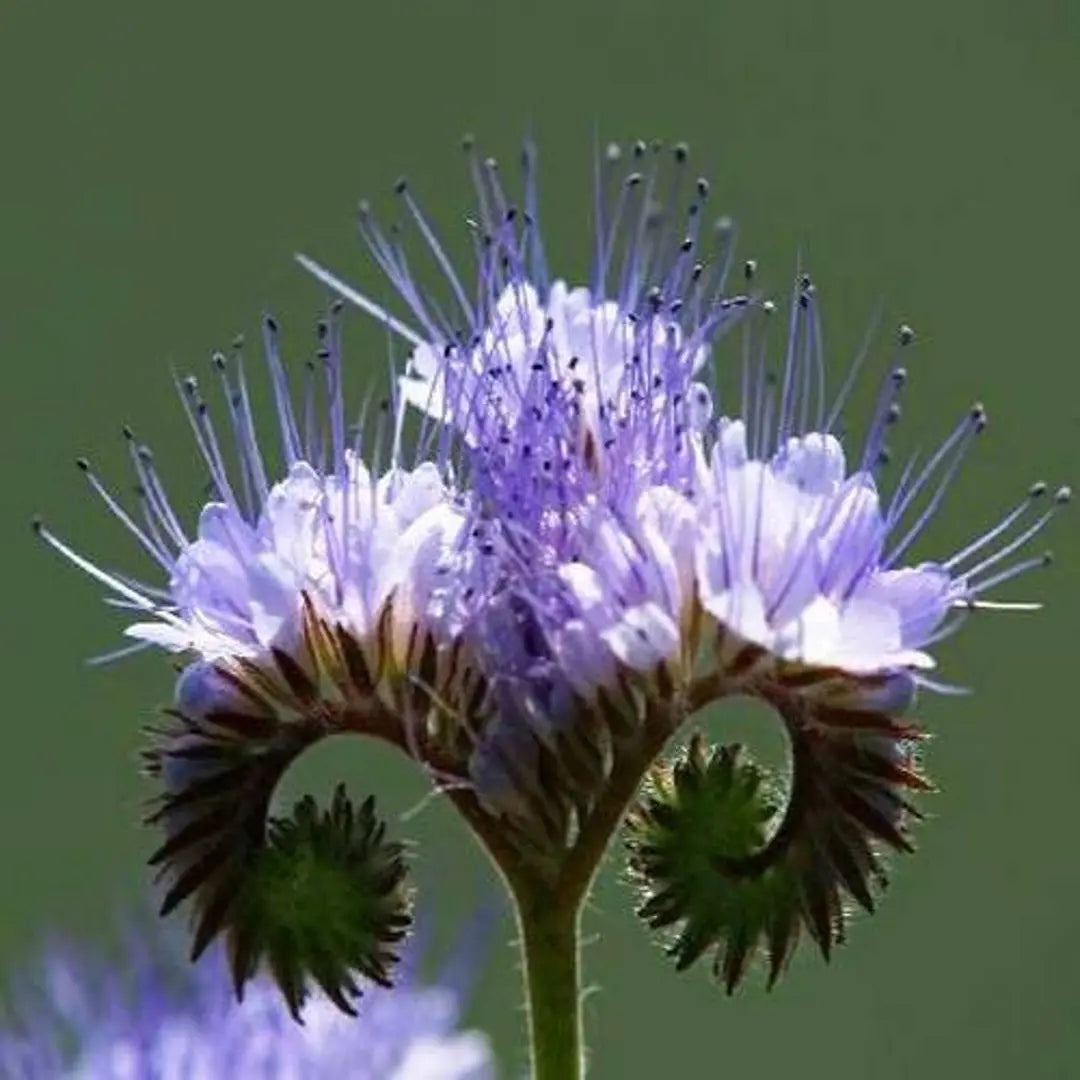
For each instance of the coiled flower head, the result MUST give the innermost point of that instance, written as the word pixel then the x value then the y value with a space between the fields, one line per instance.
pixel 597 539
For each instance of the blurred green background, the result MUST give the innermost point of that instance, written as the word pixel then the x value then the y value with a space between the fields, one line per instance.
pixel 162 162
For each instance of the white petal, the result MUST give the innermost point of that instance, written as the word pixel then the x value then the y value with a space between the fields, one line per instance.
pixel 644 636
pixel 461 1057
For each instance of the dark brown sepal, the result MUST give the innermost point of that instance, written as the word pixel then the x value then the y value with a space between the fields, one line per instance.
pixel 218 772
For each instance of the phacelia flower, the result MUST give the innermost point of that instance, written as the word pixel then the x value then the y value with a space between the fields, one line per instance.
pixel 301 606
pixel 147 1018
pixel 598 536
pixel 661 542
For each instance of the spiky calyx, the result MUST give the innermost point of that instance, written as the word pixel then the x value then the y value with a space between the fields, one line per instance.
pixel 714 857
pixel 316 895
pixel 325 899
pixel 217 771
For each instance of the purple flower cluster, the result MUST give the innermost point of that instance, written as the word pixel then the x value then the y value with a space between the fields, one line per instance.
pixel 152 1020
pixel 600 529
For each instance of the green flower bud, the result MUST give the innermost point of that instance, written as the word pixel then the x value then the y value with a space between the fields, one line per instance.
pixel 324 899
pixel 320 896
pixel 723 862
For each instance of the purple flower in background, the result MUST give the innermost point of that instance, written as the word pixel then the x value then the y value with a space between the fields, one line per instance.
pixel 148 1018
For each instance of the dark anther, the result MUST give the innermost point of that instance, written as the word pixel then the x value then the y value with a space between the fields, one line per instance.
pixel 905 335
pixel 749 269
pixel 703 187
pixel 634 179
pixel 681 151
pixel 639 149
pixel 83 464
pixel 687 244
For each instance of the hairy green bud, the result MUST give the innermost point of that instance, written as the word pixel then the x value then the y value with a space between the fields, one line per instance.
pixel 724 864
pixel 325 900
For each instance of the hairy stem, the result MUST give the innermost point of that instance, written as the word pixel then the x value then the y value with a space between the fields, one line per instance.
pixel 548 900
pixel 550 946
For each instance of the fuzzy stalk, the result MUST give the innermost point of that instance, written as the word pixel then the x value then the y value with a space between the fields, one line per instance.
pixel 550 946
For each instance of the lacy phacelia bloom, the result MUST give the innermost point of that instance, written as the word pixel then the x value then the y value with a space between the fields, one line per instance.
pixel 328 531
pixel 599 538
pixel 653 545
pixel 301 605
pixel 88 1021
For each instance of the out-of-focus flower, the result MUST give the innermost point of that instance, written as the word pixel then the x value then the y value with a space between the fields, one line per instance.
pixel 143 1016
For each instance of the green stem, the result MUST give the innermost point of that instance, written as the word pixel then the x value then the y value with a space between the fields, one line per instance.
pixel 550 946
pixel 548 906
